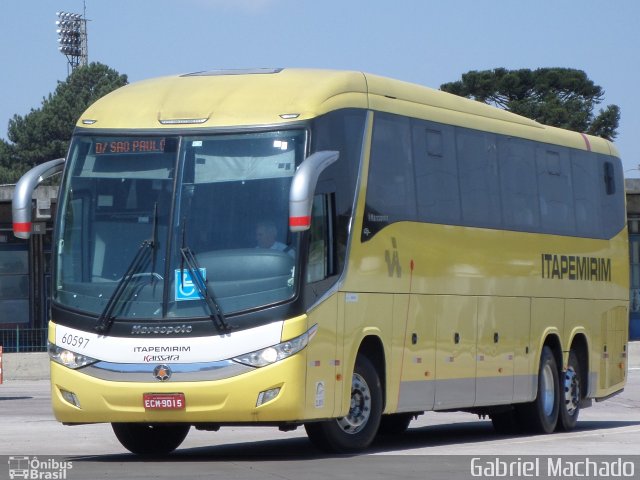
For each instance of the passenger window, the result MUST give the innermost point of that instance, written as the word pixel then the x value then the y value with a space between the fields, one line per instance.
pixel 556 190
pixel 586 194
pixel 611 199
pixel 518 182
pixel 436 174
pixel 390 189
pixel 479 178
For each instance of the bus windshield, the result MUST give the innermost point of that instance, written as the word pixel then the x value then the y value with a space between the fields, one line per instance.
pixel 132 206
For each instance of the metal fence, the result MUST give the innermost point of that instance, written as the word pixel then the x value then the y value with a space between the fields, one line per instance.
pixel 18 339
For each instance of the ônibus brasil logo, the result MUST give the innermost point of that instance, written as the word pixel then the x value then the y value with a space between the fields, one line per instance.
pixel 40 469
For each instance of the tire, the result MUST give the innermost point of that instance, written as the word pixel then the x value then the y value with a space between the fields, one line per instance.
pixel 150 439
pixel 541 415
pixel 570 395
pixel 395 424
pixel 506 423
pixel 358 429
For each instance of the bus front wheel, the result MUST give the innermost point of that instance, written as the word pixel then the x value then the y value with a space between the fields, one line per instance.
pixel 150 439
pixel 358 428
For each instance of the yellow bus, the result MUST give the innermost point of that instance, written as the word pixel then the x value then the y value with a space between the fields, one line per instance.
pixel 333 250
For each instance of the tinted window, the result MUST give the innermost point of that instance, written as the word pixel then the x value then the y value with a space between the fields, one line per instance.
pixel 518 185
pixel 612 198
pixel 553 171
pixel 342 131
pixel 588 186
pixel 390 188
pixel 436 173
pixel 479 179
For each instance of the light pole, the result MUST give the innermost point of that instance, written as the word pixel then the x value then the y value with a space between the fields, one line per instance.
pixel 72 38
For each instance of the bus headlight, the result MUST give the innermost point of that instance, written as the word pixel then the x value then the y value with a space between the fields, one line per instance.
pixel 68 358
pixel 275 353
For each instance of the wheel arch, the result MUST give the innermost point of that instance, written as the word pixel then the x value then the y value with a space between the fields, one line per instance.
pixel 580 345
pixel 552 341
pixel 373 348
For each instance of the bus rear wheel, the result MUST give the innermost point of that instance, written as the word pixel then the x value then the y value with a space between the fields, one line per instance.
pixel 358 428
pixel 150 439
pixel 541 415
pixel 570 397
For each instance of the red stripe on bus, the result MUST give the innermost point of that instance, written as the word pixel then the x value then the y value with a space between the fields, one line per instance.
pixel 299 221
pixel 586 140
pixel 23 227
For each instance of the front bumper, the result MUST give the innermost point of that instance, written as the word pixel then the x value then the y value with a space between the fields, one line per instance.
pixel 228 400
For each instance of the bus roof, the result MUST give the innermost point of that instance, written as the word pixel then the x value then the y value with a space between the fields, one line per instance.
pixel 247 98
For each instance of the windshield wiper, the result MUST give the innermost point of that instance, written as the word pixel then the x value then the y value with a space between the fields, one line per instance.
pixel 106 317
pixel 147 249
pixel 189 259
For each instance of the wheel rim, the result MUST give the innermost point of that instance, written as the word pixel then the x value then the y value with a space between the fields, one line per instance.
pixel 547 390
pixel 571 391
pixel 360 408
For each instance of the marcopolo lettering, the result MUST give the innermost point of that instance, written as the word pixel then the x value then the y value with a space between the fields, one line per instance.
pixel 574 267
pixel 160 329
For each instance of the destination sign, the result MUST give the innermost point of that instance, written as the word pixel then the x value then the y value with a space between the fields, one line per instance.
pixel 124 146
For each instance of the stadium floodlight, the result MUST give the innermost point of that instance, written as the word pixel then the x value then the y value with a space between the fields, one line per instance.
pixel 72 38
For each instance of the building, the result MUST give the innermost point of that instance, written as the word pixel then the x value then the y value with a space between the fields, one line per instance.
pixel 632 187
pixel 25 273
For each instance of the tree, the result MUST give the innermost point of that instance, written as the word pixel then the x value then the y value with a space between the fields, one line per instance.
pixel 560 97
pixel 43 134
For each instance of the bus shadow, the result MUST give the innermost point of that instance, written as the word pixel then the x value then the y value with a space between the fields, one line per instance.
pixel 473 432
pixel 300 448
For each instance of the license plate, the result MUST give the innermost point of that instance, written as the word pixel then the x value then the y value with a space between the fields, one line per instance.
pixel 163 401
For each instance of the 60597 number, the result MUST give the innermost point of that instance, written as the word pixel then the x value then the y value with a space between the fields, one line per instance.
pixel 74 340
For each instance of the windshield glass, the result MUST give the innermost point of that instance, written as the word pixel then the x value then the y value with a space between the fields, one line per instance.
pixel 223 199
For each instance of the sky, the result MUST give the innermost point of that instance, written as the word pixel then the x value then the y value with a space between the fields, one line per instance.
pixel 429 42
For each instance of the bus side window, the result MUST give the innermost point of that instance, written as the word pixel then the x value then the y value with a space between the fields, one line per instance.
pixel 321 259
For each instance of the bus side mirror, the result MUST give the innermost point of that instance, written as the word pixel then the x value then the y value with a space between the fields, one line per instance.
pixel 303 188
pixel 23 193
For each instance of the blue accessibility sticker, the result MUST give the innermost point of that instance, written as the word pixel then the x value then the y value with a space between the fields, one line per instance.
pixel 185 286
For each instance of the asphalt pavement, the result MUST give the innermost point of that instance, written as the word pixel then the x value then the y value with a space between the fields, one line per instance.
pixel 437 445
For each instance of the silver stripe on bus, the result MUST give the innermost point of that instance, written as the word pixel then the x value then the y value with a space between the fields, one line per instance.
pixel 181 372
